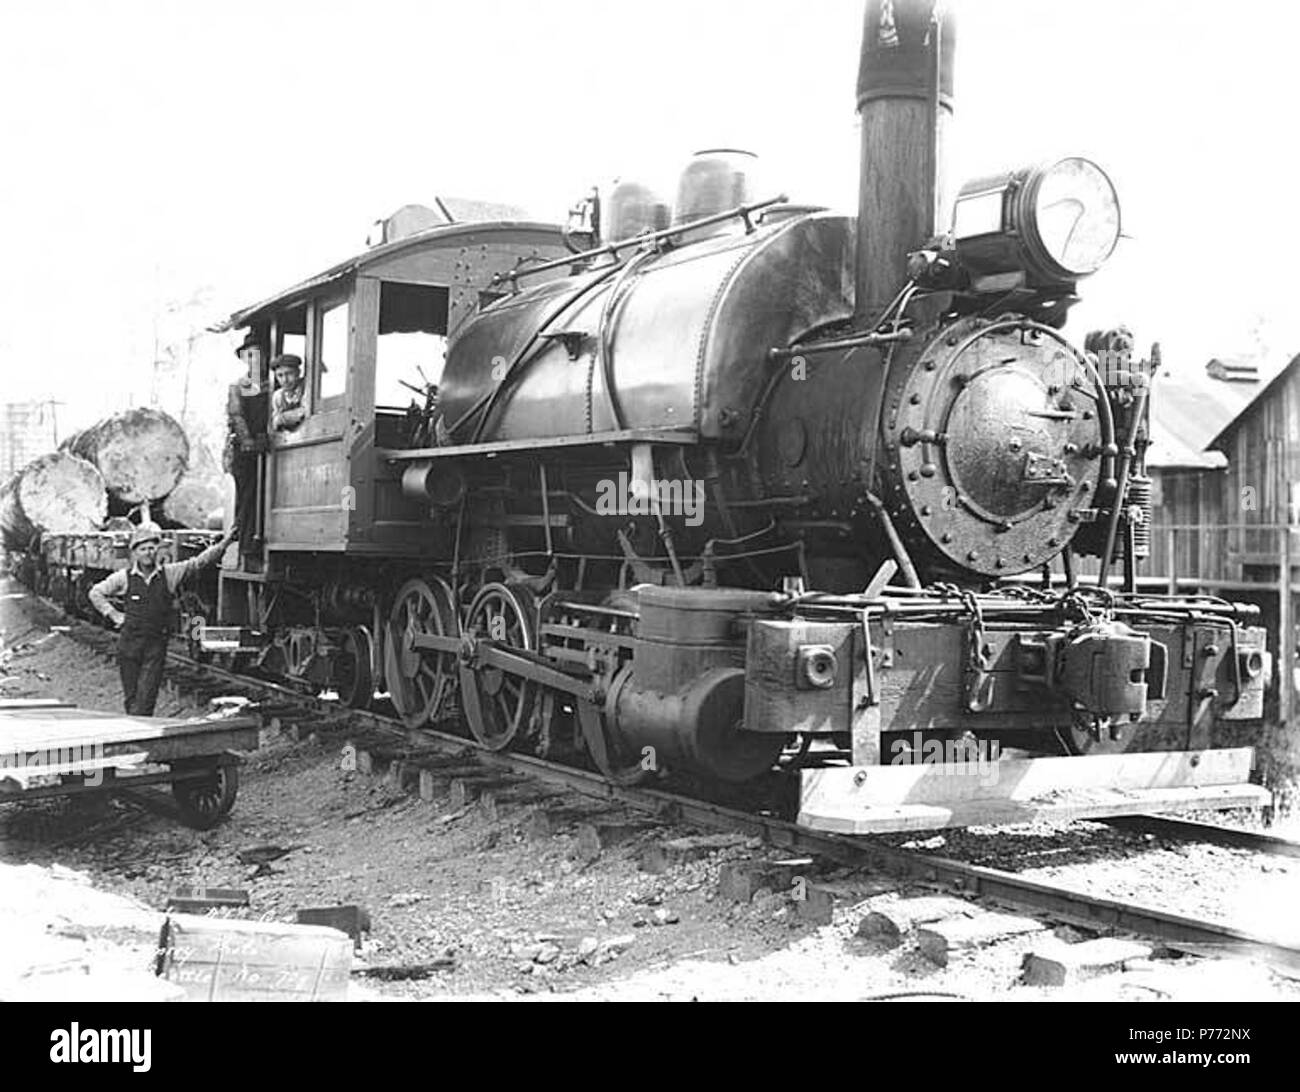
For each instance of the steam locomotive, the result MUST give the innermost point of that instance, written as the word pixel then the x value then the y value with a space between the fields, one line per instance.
pixel 739 483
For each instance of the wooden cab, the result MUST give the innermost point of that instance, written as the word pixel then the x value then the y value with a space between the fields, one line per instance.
pixel 361 328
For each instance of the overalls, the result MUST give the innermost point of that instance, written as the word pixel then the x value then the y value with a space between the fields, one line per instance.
pixel 142 642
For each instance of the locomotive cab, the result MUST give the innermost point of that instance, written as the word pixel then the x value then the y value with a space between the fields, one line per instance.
pixel 331 513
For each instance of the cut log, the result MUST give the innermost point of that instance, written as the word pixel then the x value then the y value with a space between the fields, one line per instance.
pixel 142 454
pixel 193 503
pixel 55 494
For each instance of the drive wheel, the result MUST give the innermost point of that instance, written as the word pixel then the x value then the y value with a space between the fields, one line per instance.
pixel 419 679
pixel 501 703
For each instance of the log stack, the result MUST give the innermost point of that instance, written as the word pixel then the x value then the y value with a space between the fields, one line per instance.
pixel 58 493
pixel 142 454
pixel 193 503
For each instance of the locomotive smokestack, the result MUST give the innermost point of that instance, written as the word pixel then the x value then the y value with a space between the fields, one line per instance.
pixel 905 103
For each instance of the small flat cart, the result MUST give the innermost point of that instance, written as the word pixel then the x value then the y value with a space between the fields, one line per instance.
pixel 50 748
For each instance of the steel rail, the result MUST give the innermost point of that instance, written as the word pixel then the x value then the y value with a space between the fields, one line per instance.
pixel 1193 830
pixel 1063 904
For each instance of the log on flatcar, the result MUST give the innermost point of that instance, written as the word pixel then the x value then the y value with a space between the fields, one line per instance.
pixel 142 454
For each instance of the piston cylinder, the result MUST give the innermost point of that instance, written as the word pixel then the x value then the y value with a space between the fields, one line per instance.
pixel 686 695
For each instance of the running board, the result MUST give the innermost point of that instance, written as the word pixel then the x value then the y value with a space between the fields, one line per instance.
pixel 928 796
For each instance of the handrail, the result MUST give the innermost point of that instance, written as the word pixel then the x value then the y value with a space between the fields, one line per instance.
pixel 742 211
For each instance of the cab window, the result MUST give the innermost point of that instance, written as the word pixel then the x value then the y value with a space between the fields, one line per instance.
pixel 292 330
pixel 332 354
pixel 412 340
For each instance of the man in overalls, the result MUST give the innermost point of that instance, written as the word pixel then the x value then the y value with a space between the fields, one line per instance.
pixel 147 616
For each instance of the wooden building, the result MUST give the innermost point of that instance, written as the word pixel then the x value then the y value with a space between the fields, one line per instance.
pixel 27 431
pixel 1261 491
pixel 1189 477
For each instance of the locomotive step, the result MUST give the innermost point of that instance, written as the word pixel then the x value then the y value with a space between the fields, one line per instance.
pixel 231 639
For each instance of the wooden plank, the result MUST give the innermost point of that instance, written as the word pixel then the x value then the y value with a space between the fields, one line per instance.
pixel 1098 804
pixel 33 703
pixel 189 898
pixel 222 959
pixel 941 940
pixel 1023 779
pixel 21 776
pixel 38 729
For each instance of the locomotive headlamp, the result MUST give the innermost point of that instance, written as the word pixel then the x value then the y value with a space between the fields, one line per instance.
pixel 1053 223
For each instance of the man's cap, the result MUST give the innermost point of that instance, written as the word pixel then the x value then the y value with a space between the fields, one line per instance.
pixel 146 532
pixel 250 342
pixel 287 360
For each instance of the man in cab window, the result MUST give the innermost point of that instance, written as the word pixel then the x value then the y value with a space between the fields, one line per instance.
pixel 287 410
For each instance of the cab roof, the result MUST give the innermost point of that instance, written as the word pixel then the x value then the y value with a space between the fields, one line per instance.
pixel 441 236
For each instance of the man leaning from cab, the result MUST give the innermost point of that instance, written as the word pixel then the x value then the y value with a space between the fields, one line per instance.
pixel 287 410
pixel 145 619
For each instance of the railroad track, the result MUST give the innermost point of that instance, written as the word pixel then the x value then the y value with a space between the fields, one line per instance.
pixel 1057 903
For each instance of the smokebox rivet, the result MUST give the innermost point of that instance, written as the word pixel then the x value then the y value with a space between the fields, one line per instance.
pixel 947 537
pixel 915 399
pixel 926 510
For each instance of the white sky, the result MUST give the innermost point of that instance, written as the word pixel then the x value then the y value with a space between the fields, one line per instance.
pixel 164 154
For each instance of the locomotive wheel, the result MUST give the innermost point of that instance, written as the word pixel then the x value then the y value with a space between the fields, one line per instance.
pixel 352 675
pixel 502 703
pixel 419 680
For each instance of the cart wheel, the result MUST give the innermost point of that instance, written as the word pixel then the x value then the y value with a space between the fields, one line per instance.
pixel 205 801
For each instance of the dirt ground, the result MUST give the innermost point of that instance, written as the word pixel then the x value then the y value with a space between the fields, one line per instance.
pixel 514 906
